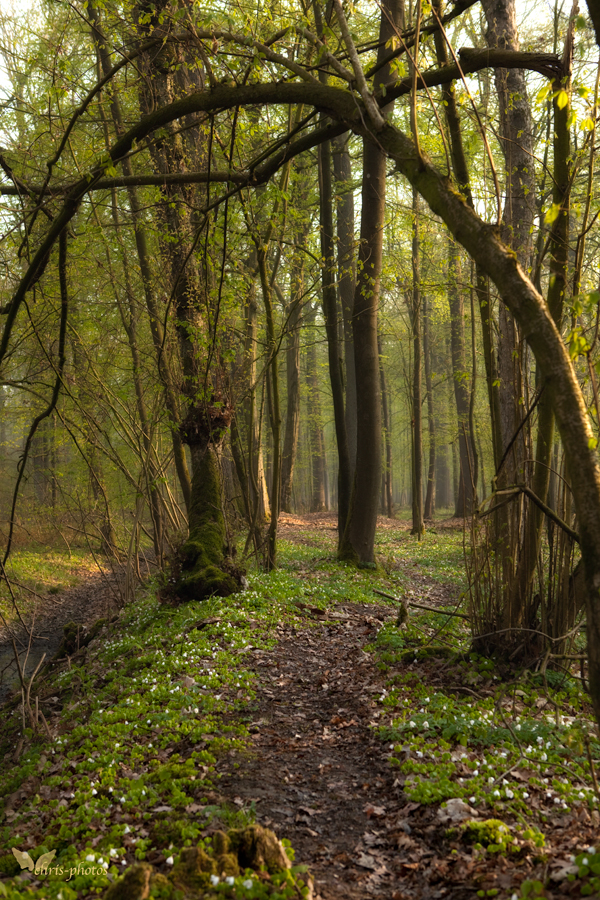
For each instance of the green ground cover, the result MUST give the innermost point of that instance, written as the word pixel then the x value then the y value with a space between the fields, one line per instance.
pixel 134 761
pixel 35 573
pixel 166 692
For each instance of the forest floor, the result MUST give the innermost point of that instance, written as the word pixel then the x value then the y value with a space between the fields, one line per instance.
pixel 50 591
pixel 394 762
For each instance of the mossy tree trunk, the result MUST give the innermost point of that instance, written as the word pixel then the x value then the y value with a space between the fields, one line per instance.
pixel 204 570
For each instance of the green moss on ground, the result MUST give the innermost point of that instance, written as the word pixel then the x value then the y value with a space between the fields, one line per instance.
pixel 130 777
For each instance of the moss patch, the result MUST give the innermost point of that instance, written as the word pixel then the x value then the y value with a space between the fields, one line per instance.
pixel 203 568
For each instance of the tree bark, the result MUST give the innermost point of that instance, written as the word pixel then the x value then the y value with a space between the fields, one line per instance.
pixel 430 493
pixel 318 501
pixel 272 375
pixel 342 170
pixel 292 368
pixel 358 543
pixel 464 500
pixel 330 311
pixel 418 526
pixel 482 290
pixel 168 78
pixel 559 262
pixel 516 136
pixel 146 273
pixel 387 503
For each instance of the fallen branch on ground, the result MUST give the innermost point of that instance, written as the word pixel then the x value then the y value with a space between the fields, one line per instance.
pixel 440 610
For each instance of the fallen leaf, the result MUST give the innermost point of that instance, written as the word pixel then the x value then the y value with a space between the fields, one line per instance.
pixel 374 812
pixel 365 861
pixel 456 810
pixel 194 808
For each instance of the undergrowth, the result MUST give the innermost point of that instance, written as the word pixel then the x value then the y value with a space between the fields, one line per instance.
pixel 146 717
pixel 35 573
pixel 144 720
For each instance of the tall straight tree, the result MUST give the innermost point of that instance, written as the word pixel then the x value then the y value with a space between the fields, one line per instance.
pixel 330 311
pixel 429 509
pixel 418 525
pixel 466 480
pixel 516 136
pixel 346 278
pixel 359 539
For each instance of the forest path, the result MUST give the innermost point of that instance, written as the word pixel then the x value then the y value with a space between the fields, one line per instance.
pixel 319 775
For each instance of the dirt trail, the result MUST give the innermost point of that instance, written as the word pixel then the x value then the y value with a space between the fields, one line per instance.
pixel 320 776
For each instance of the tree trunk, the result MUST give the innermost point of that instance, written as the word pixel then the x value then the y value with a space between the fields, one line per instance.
pixel 257 485
pixel 146 273
pixel 516 136
pixel 342 170
pixel 427 355
pixel 168 78
pixel 387 504
pixel 559 261
pixel 482 290
pixel 330 311
pixel 202 555
pixel 442 478
pixel 318 502
pixel 418 526
pixel 292 370
pixel 272 374
pixel 358 543
pixel 464 502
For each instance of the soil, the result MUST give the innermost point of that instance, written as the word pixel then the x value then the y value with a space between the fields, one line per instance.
pixel 318 774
